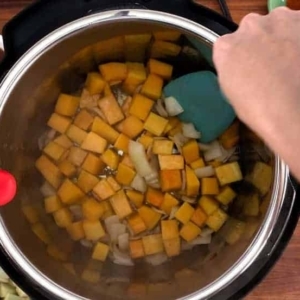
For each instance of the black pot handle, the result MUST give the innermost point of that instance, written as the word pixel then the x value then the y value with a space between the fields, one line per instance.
pixel 44 16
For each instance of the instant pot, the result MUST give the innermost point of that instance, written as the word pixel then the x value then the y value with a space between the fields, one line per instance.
pixel 47 48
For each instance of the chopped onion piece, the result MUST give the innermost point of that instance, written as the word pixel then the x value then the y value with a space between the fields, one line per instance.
pixel 112 220
pixel 86 244
pixel 188 199
pixel 123 241
pixel 234 158
pixel 47 190
pixel 156 259
pixel 76 211
pixel 204 147
pixel 173 107
pixel 179 140
pixel 3 276
pixel 173 212
pixel 214 152
pixel 189 131
pixel 158 211
pixel 206 231
pixel 139 184
pixel 201 240
pixel 205 172
pixel 160 109
pixel 227 154
pixel 87 100
pixel 121 258
pixel 186 246
pixel 115 230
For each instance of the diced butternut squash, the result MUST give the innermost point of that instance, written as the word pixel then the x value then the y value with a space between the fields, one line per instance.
pixel 251 205
pixel 83 120
pixel 131 127
pixel 215 163
pixel 168 203
pixel 146 141
pixel 94 143
pixel 234 230
pixel 169 229
pixel 76 134
pixel 93 164
pixel 163 147
pixel 126 106
pixel 226 195
pixel 91 276
pixel 93 230
pixel 208 204
pixel 63 141
pixel 54 151
pixel 184 213
pixel 135 77
pixel 136 46
pixel 91 209
pixel 122 143
pixel 87 181
pixel 113 71
pixel 209 186
pixel 63 217
pixel 167 35
pixel 199 217
pixel 171 162
pixel 153 244
pixel 108 210
pixel 199 163
pixel 57 253
pixel 103 189
pixel 110 158
pixel 77 156
pixel 67 168
pixel 120 204
pixel 154 197
pixel 125 175
pixel 170 180
pixel 261 177
pixel 49 171
pixel 100 252
pixel 31 213
pixel 162 49
pixel 192 182
pixel 113 183
pixel 67 105
pixel 59 123
pixel 155 124
pixel 160 69
pixel 229 173
pixel 189 231
pixel 216 220
pixel 136 249
pixel 230 137
pixel 104 130
pixel 88 101
pixel 52 204
pixel 107 90
pixel 190 151
pixel 152 88
pixel 111 109
pixel 149 216
pixel 135 197
pixel 76 231
pixel 141 106
pixel 127 161
pixel 172 247
pixel 136 223
pixel 41 232
pixel 69 193
pixel 94 83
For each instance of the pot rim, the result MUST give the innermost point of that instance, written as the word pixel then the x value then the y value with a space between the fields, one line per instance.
pixel 32 55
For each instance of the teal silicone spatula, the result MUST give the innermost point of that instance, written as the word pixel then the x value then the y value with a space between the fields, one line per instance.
pixel 204 105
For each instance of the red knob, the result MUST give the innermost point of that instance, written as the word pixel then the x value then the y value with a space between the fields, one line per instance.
pixel 8 187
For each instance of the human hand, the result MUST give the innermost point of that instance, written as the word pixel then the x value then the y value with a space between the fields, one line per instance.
pixel 259 71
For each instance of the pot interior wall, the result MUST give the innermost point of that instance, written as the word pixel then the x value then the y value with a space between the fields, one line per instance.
pixel 23 121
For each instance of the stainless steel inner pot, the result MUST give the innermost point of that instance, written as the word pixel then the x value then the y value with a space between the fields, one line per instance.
pixel 27 97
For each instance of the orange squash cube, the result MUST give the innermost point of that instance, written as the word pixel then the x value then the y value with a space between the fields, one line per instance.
pixel 103 189
pixel 63 141
pixel 113 183
pixel 40 231
pixel 52 204
pixel 226 195
pixel 111 158
pixel 208 204
pixel 172 247
pixel 171 162
pixel 31 213
pixel 69 193
pixel 136 46
pixel 131 127
pixel 125 175
pixel 192 182
pixel 135 197
pixel 153 244
pixel 67 168
pixel 199 217
pixel 230 137
pixel 100 252
pixel 94 143
pixel 77 156
pixel 111 109
pixel 162 49
pixel 54 151
pixel 122 143
pixel 154 197
pixel 169 229
pixel 87 181
pixel 216 220
pixel 136 249
pixel 104 130
pixel 155 124
pixel 76 231
pixel 170 180
pixel 209 186
pixel 120 205
pixel 126 106
pixel 168 203
pixel 59 123
pixel 93 230
pixel 189 231
pixel 93 164
pixel 149 216
pixel 141 106
pixel 62 217
pixel 136 224
pixel 163 147
pixel 136 75
pixel 229 173
pixel 76 134
pixel 199 163
pixel 67 105
pixel 91 209
pixel 113 72
pixel 160 69
pixel 146 141
pixel 152 87
pixel 94 83
pixel 83 120
pixel 127 161
pixel 190 151
pixel 184 213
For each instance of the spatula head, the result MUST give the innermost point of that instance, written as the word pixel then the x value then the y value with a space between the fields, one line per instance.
pixel 203 102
